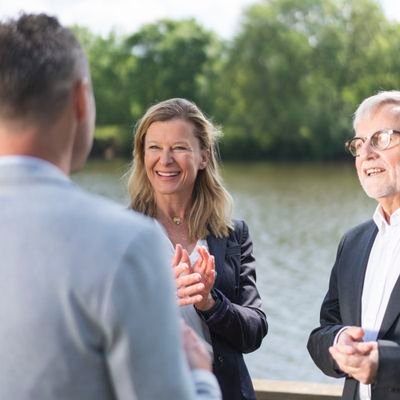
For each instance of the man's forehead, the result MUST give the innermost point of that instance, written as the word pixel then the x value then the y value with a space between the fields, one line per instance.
pixel 389 112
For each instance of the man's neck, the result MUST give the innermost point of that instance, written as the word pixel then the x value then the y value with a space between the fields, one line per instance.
pixel 18 138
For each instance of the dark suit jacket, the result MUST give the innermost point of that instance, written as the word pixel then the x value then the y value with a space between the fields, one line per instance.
pixel 237 324
pixel 342 307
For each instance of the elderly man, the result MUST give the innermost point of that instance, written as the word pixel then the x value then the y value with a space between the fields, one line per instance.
pixel 359 336
pixel 87 305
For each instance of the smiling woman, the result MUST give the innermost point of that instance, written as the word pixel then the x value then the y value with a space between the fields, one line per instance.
pixel 172 159
pixel 175 179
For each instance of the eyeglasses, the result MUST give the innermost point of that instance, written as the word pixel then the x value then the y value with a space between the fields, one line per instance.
pixel 379 140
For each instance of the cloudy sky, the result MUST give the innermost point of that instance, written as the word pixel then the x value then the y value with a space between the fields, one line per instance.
pixel 222 16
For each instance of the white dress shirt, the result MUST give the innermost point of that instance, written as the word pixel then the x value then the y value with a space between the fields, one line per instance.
pixel 382 272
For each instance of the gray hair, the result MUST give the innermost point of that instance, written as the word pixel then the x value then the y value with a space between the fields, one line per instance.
pixel 372 104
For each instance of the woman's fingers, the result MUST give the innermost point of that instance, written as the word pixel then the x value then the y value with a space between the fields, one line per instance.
pixel 189 289
pixel 194 284
pixel 185 257
pixel 181 269
pixel 201 263
pixel 176 259
pixel 185 281
pixel 186 301
pixel 210 267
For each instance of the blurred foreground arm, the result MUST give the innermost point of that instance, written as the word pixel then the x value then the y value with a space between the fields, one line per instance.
pixel 201 365
pixel 144 347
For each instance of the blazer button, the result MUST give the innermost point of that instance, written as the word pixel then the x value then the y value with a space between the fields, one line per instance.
pixel 220 360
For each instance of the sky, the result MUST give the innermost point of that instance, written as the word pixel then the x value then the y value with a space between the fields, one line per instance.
pixel 127 16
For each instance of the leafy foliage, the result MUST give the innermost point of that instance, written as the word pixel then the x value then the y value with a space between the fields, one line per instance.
pixel 284 87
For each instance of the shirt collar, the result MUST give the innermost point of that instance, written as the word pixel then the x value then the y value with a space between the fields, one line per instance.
pixel 32 164
pixel 380 220
pixel 22 160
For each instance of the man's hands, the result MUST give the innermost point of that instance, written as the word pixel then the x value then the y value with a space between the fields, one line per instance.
pixel 356 358
pixel 194 284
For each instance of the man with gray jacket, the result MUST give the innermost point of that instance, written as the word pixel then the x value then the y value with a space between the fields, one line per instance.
pixel 87 305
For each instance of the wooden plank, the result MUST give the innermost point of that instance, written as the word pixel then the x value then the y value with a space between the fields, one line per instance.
pixel 288 390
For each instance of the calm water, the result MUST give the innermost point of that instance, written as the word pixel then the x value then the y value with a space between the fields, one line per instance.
pixel 296 214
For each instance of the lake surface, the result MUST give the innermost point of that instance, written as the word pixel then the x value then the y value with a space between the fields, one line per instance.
pixel 296 214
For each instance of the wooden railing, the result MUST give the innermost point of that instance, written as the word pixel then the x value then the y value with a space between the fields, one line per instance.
pixel 288 390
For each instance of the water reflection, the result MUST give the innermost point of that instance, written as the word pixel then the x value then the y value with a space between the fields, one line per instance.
pixel 296 214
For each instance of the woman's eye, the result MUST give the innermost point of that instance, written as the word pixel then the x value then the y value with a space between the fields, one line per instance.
pixel 180 148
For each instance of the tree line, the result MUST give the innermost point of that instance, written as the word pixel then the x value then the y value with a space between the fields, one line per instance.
pixel 284 87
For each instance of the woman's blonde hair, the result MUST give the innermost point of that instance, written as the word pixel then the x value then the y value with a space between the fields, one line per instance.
pixel 211 203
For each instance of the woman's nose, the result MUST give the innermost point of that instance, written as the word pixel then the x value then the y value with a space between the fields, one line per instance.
pixel 166 157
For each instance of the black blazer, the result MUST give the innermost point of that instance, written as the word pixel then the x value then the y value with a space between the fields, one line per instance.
pixel 342 307
pixel 236 322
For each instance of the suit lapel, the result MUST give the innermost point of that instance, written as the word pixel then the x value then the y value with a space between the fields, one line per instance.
pixel 392 310
pixel 217 247
pixel 358 269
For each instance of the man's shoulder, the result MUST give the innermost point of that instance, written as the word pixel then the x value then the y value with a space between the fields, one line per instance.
pixel 360 230
pixel 105 214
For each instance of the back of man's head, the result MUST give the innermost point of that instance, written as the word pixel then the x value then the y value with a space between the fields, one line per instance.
pixel 39 62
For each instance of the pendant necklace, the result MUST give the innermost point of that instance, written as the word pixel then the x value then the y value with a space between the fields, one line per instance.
pixel 177 220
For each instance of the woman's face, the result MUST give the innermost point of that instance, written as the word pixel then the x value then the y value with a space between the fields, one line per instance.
pixel 172 157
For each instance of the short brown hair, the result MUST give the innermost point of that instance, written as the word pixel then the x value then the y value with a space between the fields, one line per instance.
pixel 39 61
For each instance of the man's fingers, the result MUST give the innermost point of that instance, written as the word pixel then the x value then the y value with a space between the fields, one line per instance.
pixel 355 333
pixel 365 348
pixel 349 360
pixel 346 349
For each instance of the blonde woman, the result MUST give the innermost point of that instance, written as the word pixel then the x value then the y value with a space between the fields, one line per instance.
pixel 175 179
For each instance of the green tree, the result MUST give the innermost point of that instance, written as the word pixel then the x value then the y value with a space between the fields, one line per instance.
pixel 112 69
pixel 171 58
pixel 296 72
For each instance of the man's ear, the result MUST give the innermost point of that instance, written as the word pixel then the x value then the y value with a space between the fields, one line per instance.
pixel 81 99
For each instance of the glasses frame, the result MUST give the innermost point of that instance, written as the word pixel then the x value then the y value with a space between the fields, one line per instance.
pixel 372 143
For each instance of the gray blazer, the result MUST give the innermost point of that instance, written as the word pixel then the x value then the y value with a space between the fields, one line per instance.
pixel 87 307
pixel 342 307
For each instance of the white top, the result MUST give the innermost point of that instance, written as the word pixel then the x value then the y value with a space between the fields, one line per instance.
pixel 382 272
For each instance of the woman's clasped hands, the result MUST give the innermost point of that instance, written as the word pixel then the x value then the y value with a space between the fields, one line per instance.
pixel 194 283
